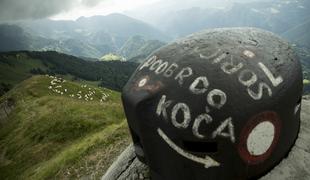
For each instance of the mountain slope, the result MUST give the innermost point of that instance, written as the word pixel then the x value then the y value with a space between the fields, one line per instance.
pixel 86 37
pixel 47 132
pixel 136 48
pixel 299 34
pixel 13 37
pixel 17 66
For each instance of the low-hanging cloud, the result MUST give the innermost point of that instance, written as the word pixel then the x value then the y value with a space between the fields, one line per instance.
pixel 37 9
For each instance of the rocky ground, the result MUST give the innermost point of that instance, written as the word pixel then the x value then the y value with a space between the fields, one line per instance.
pixel 295 166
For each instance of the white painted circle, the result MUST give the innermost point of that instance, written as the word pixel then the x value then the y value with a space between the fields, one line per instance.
pixel 260 139
pixel 142 82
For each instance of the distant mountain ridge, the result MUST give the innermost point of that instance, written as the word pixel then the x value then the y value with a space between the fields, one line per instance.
pixel 86 37
pixel 277 16
pixel 299 34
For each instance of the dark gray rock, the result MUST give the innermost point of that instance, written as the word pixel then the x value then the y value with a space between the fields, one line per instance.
pixel 295 166
pixel 127 166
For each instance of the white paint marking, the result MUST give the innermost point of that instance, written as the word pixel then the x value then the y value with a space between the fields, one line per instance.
pixel 142 82
pixel 161 68
pixel 193 87
pixel 275 81
pixel 248 53
pixel 297 108
pixel 260 138
pixel 162 106
pixel 207 161
pixel 248 82
pixel 222 96
pixel 219 131
pixel 259 94
pixel 170 70
pixel 207 57
pixel 156 64
pixel 230 67
pixel 207 109
pixel 220 58
pixel 148 62
pixel 202 117
pixel 186 115
pixel 181 75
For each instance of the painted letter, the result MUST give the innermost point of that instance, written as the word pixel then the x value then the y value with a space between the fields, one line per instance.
pixel 156 64
pixel 250 81
pixel 275 81
pixel 169 72
pixel 202 117
pixel 220 58
pixel 148 62
pixel 259 94
pixel 230 67
pixel 219 131
pixel 180 77
pixel 195 90
pixel 161 68
pixel 186 115
pixel 222 96
pixel 207 57
pixel 162 106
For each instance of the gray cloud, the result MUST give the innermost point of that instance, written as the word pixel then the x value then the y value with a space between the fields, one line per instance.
pixel 91 3
pixel 36 9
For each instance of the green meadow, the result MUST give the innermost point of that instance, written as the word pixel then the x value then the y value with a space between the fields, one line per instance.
pixel 60 129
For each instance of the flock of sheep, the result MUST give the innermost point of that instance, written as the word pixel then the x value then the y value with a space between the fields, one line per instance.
pixel 85 93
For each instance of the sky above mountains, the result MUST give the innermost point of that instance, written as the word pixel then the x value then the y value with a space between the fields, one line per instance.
pixel 64 9
pixel 11 10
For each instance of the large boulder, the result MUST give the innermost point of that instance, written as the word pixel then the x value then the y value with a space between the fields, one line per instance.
pixel 294 166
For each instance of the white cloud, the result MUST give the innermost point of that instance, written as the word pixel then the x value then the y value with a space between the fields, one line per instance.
pixel 103 8
pixel 63 9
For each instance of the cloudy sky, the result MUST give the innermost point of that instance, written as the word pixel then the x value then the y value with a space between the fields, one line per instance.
pixel 11 10
pixel 64 9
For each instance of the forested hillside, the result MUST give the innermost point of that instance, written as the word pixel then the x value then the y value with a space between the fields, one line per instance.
pixel 18 66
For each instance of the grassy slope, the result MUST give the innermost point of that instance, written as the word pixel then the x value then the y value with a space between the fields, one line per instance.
pixel 111 57
pixel 15 68
pixel 49 135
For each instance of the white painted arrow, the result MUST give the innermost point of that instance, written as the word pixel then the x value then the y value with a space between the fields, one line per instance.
pixel 207 161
